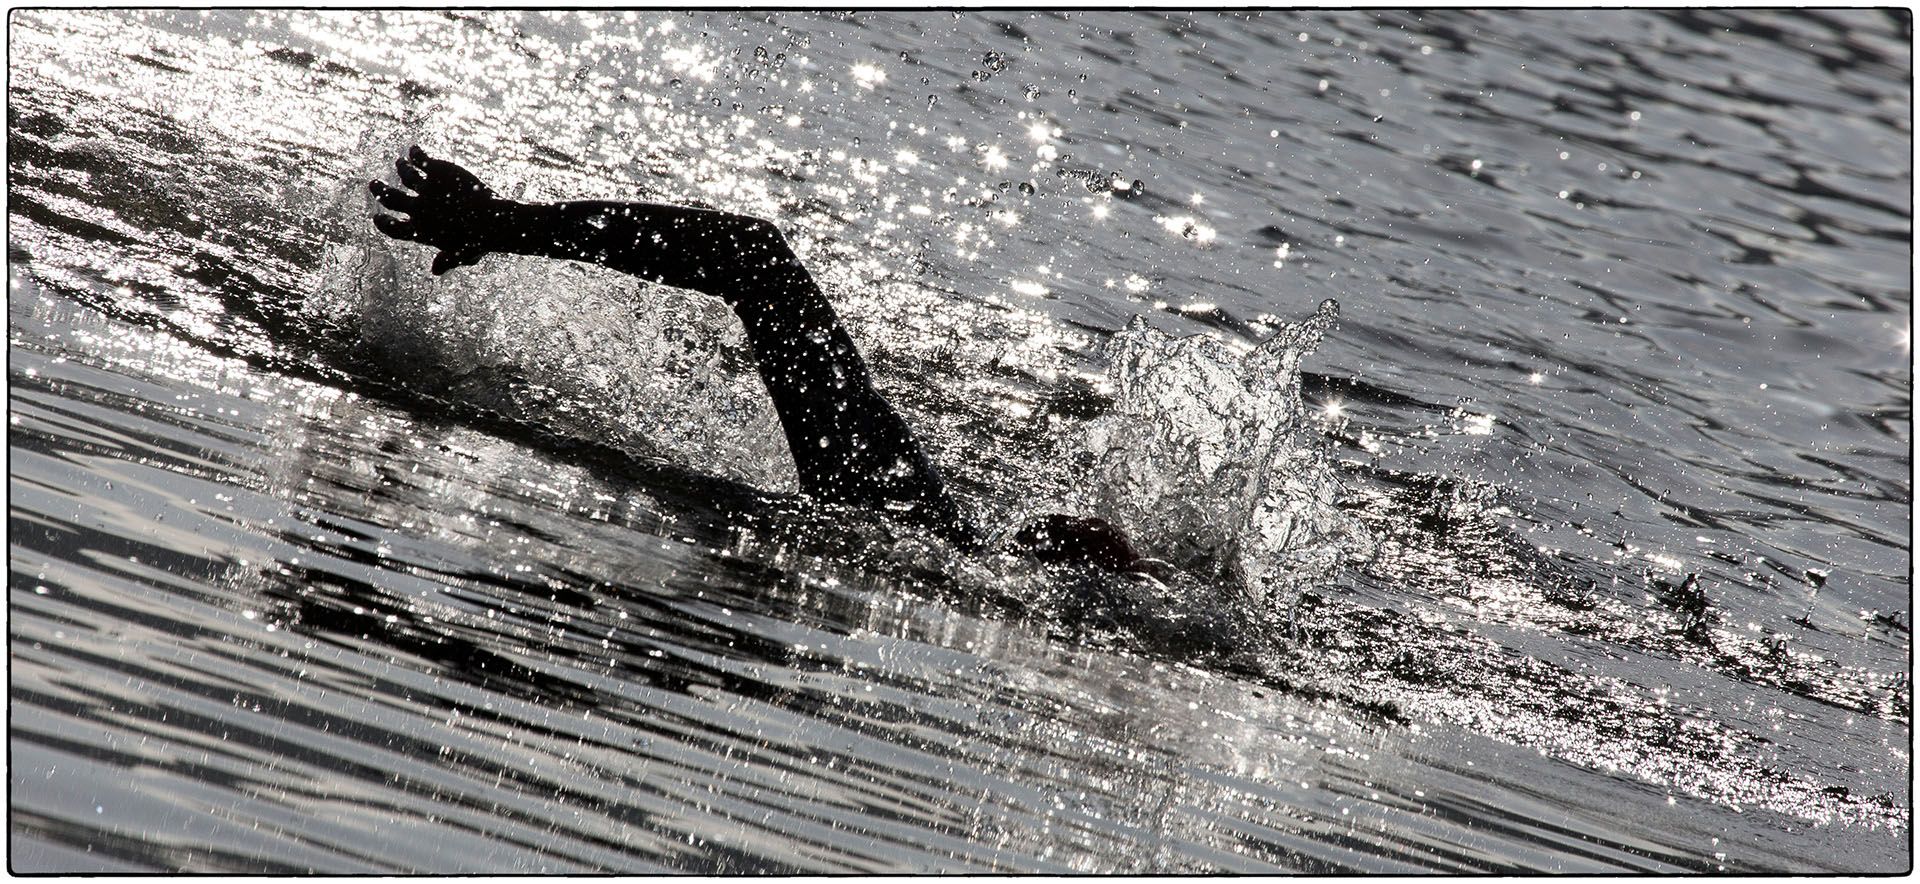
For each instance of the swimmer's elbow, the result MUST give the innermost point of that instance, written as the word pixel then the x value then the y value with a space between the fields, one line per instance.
pixel 757 233
pixel 762 247
pixel 756 225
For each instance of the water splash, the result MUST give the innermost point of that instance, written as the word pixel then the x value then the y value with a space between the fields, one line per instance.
pixel 581 352
pixel 1207 458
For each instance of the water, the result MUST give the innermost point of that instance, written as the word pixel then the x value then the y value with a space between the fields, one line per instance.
pixel 1579 541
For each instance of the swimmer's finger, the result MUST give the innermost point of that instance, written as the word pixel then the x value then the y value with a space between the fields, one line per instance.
pixel 433 167
pixel 448 176
pixel 409 175
pixel 452 177
pixel 395 227
pixel 393 197
pixel 435 170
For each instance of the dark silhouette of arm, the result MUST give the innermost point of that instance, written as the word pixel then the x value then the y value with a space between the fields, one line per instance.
pixel 848 444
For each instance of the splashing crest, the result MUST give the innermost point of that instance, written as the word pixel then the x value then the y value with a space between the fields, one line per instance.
pixel 1208 461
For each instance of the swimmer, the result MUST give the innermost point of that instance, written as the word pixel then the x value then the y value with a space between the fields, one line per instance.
pixel 849 446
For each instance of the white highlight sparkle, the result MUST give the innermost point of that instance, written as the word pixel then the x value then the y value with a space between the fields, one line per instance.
pixel 868 76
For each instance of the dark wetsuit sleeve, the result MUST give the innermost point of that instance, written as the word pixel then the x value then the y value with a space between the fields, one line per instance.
pixel 848 444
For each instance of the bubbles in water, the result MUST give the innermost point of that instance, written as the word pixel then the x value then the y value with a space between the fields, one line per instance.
pixel 1208 460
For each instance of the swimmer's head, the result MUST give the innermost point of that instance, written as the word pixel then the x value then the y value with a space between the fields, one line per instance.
pixel 1063 539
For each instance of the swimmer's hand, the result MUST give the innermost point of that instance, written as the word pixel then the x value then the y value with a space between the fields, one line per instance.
pixel 449 208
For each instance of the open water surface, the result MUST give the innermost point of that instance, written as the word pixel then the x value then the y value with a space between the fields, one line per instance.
pixel 1574 536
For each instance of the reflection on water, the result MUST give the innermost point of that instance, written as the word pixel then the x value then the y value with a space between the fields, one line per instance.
pixel 318 563
pixel 462 649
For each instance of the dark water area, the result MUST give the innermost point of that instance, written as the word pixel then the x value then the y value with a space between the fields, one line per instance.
pixel 1522 400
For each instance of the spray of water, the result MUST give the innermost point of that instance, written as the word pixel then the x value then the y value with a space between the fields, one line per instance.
pixel 1209 460
pixel 579 351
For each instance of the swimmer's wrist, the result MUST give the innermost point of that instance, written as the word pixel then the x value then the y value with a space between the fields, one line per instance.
pixel 503 225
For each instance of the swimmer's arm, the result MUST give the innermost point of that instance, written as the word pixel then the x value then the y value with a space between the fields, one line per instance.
pixel 847 443
pixel 733 257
